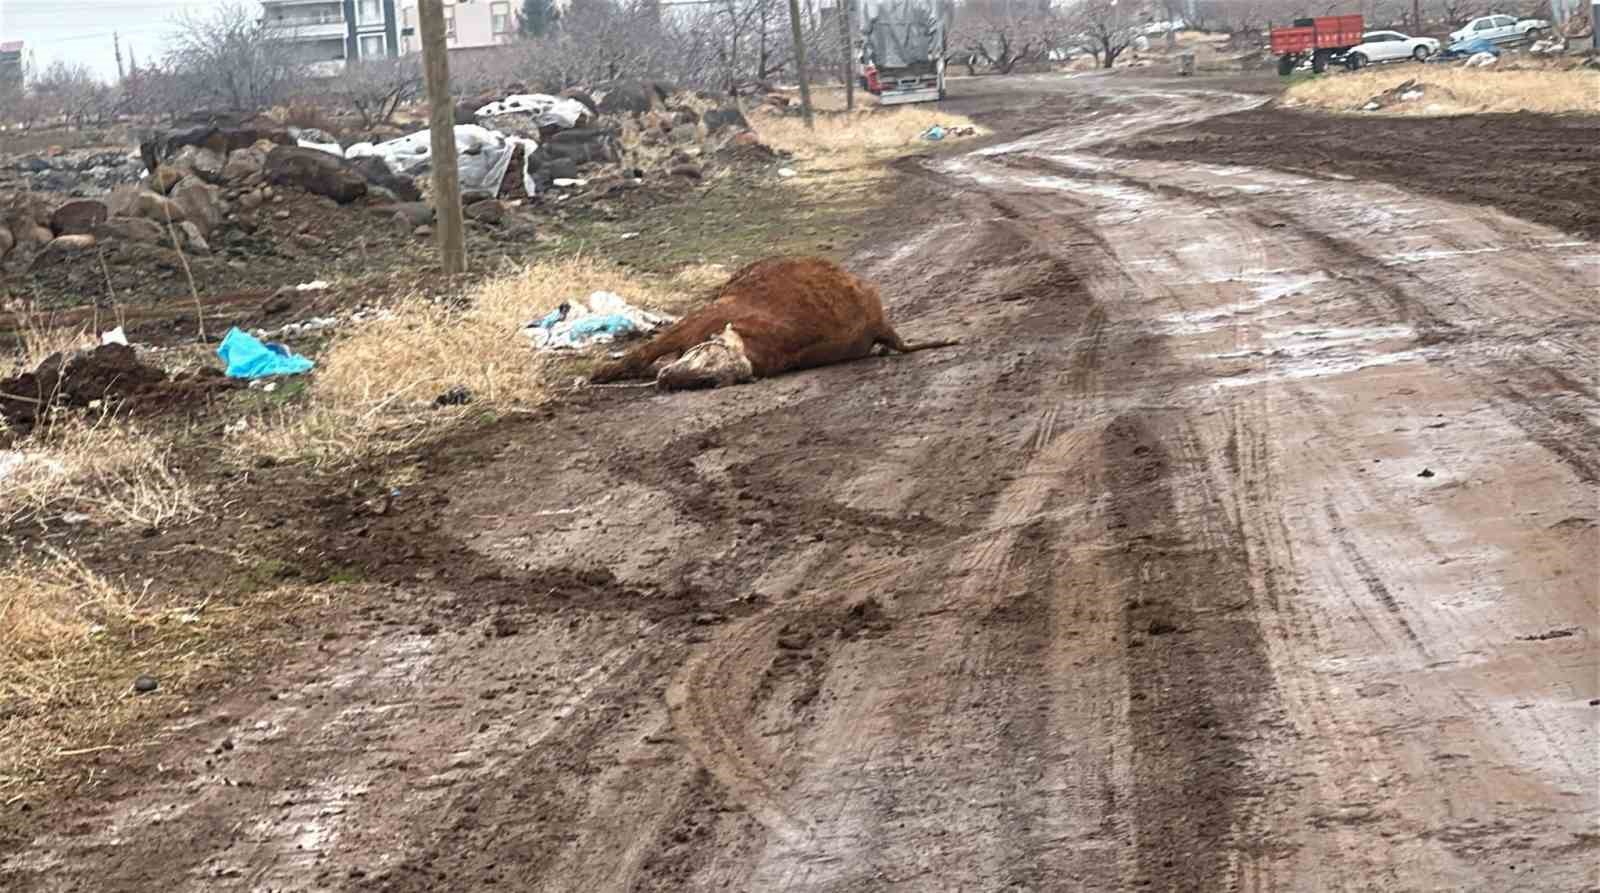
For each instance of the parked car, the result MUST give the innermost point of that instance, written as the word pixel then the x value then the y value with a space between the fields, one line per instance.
pixel 1390 46
pixel 1500 29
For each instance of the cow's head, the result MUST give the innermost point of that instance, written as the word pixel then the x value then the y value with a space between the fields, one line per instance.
pixel 710 364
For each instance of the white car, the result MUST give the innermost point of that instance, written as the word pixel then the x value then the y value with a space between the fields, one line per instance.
pixel 1389 46
pixel 1500 29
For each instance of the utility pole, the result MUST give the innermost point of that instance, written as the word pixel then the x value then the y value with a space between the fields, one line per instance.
pixel 442 130
pixel 1416 16
pixel 847 32
pixel 800 63
pixel 116 46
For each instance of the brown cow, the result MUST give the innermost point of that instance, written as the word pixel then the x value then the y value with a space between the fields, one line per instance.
pixel 774 315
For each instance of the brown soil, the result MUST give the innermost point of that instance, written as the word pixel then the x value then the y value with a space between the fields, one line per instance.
pixel 1538 167
pixel 1139 588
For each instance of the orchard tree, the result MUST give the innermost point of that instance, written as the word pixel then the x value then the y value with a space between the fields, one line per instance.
pixel 539 17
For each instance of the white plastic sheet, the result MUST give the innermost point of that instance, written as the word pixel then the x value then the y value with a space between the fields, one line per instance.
pixel 330 148
pixel 482 155
pixel 604 318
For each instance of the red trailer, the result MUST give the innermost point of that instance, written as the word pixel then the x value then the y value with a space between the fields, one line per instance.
pixel 1325 39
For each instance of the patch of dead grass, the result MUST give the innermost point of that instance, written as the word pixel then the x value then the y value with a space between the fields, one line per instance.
pixel 105 470
pixel 850 145
pixel 72 642
pixel 374 384
pixel 1470 90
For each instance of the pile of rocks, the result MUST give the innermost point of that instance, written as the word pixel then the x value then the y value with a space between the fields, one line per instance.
pixel 75 173
pixel 196 182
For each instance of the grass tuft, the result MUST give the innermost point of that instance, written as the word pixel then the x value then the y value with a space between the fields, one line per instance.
pixel 1453 91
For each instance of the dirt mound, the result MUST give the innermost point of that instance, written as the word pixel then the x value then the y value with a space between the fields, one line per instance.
pixel 111 372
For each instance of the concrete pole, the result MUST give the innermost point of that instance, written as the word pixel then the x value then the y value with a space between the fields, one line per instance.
pixel 442 128
pixel 800 63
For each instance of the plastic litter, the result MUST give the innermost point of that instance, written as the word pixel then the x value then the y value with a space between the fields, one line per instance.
pixel 115 336
pixel 313 285
pixel 547 110
pixel 933 133
pixel 247 357
pixel 330 148
pixel 786 172
pixel 1482 60
pixel 604 318
pixel 483 155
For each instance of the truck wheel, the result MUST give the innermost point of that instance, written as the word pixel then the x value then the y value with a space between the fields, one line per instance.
pixel 1355 62
pixel 1420 54
pixel 1319 62
pixel 1286 66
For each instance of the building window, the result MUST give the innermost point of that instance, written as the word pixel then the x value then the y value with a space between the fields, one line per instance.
pixel 450 24
pixel 501 13
pixel 372 47
pixel 369 11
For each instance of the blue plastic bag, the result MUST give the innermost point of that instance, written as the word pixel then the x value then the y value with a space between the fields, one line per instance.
pixel 608 323
pixel 933 133
pixel 247 357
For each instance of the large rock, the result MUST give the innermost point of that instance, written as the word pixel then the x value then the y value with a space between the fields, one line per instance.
pixel 62 249
pixel 199 161
pixel 377 172
pixel 129 229
pixel 165 177
pixel 220 140
pixel 78 218
pixel 243 163
pixel 194 241
pixel 412 214
pixel 489 211
pixel 132 201
pixel 721 119
pixel 201 204
pixel 316 172
pixel 631 97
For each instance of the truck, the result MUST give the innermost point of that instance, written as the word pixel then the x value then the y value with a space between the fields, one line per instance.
pixel 1326 39
pixel 903 48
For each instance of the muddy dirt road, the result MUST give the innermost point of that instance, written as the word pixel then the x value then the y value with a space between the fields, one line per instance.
pixel 1248 542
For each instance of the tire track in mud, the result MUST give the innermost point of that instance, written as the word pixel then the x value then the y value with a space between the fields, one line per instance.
pixel 1572 436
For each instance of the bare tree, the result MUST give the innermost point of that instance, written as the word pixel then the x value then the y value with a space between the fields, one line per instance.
pixel 74 94
pixel 1109 26
pixel 376 88
pixel 232 59
pixel 1002 35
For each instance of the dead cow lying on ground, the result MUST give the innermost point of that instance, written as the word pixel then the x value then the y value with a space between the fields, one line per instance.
pixel 773 316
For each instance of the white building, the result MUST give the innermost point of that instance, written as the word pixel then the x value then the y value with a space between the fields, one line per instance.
pixel 468 24
pixel 329 33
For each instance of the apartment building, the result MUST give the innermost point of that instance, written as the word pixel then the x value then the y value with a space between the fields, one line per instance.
pixel 10 64
pixel 329 33
pixel 468 24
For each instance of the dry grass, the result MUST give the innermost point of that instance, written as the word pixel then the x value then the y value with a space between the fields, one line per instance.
pixel 104 470
pixel 72 641
pixel 853 143
pixel 38 336
pixel 1470 90
pixel 373 385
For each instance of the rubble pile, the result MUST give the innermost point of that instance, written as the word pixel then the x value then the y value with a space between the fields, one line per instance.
pixel 215 203
pixel 76 173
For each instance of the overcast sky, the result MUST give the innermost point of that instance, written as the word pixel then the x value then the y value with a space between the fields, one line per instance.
pixel 80 30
